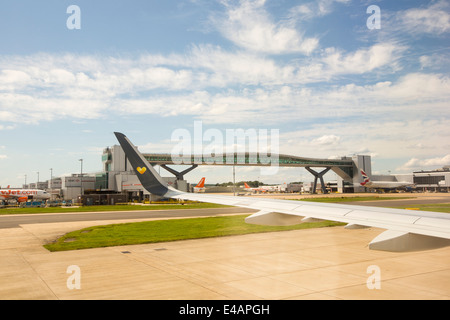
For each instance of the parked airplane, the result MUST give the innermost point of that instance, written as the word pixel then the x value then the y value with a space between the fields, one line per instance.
pixel 406 230
pixel 22 195
pixel 383 184
pixel 258 189
pixel 262 188
pixel 200 187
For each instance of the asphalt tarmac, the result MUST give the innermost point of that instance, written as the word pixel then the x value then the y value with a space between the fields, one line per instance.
pixel 14 221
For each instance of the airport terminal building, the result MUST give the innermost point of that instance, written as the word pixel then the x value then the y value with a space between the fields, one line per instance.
pixel 435 180
pixel 117 176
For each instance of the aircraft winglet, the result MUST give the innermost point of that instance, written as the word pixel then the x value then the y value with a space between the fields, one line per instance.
pixel 148 177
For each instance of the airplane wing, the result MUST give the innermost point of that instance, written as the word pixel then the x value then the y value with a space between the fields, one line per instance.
pixel 406 230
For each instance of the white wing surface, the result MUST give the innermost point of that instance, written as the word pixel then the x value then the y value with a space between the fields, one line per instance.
pixel 406 230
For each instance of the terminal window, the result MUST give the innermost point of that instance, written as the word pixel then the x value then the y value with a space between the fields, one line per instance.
pixel 428 179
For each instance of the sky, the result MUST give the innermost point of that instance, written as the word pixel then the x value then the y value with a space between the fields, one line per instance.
pixel 334 77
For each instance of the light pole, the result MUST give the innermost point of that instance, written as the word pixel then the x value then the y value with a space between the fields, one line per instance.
pixel 81 160
pixel 51 182
pixel 234 181
pixel 81 177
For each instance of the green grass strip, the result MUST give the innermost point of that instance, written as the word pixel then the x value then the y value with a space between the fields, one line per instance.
pixel 166 230
pixel 125 207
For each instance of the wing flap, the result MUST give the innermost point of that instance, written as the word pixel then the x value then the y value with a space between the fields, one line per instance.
pixel 352 226
pixel 268 218
pixel 398 241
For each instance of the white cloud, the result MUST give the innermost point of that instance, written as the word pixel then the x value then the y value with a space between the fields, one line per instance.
pixel 362 60
pixel 249 26
pixel 434 61
pixel 326 140
pixel 387 139
pixel 217 86
pixel 423 164
pixel 435 19
pixel 315 8
pixel 14 77
pixel 217 67
pixel 4 115
pixel 58 87
pixel 3 156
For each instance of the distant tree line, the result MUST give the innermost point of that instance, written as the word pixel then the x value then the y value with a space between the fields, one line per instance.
pixel 252 184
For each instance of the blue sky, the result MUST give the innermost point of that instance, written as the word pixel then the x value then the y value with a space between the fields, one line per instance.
pixel 311 69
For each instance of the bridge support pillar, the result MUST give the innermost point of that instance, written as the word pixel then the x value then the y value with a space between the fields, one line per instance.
pixel 179 175
pixel 319 175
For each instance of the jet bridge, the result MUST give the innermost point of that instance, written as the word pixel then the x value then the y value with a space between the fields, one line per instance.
pixel 345 167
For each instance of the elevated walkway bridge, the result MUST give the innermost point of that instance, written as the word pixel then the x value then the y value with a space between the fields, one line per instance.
pixel 343 167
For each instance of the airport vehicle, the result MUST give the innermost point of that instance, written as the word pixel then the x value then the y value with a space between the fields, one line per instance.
pixel 32 204
pixel 406 230
pixel 23 195
pixel 200 187
pixel 383 184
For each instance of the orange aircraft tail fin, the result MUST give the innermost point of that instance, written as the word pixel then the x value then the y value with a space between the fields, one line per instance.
pixel 201 183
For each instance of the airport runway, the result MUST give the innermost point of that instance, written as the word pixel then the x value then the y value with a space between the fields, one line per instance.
pixel 14 221
pixel 328 263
